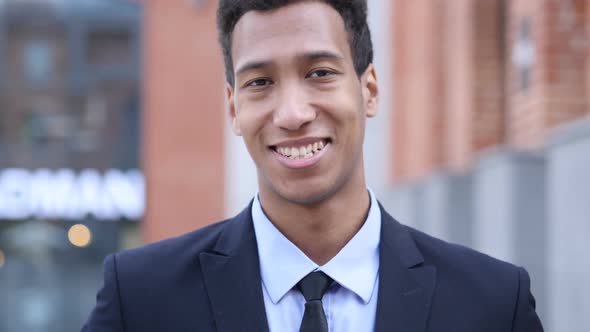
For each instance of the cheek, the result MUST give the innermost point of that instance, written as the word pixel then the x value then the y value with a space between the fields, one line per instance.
pixel 252 119
pixel 347 99
pixel 348 110
pixel 350 123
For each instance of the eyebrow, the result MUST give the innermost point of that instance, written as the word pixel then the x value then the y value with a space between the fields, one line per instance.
pixel 309 56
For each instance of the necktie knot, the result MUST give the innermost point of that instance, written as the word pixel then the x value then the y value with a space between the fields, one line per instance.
pixel 314 285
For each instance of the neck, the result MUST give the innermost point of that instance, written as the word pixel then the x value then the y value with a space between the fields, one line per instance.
pixel 321 229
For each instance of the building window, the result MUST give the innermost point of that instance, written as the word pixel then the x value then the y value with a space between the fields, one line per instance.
pixel 523 54
pixel 109 48
pixel 38 63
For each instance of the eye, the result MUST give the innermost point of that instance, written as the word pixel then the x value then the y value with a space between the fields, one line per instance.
pixel 259 82
pixel 319 73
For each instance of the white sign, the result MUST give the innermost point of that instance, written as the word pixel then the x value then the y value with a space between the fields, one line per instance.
pixel 523 53
pixel 63 194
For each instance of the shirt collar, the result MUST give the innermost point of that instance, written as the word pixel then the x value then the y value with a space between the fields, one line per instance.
pixel 355 267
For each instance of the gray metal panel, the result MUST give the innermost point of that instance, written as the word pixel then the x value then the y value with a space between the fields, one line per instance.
pixel 569 228
pixel 510 216
pixel 494 199
pixel 447 208
pixel 404 204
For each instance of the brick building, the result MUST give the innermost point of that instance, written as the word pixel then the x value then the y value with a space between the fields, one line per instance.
pixel 491 136
pixel 484 120
pixel 472 75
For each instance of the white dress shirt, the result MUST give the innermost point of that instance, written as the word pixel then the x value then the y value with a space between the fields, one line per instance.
pixel 350 303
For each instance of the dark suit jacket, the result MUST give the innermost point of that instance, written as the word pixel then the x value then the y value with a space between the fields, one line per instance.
pixel 209 280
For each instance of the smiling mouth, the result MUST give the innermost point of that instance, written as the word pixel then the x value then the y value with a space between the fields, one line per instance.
pixel 301 152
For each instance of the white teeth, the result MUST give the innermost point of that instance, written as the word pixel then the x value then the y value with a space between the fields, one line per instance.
pixel 301 152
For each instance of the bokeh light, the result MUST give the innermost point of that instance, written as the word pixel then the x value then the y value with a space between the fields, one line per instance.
pixel 80 235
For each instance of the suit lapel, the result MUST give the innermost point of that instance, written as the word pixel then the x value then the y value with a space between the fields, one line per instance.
pixel 406 284
pixel 232 278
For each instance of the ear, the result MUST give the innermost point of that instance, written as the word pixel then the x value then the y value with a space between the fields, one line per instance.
pixel 231 105
pixel 370 90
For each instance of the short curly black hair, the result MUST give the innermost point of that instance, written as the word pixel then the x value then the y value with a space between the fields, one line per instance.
pixel 353 12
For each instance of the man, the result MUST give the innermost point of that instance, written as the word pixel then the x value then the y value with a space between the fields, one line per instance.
pixel 314 251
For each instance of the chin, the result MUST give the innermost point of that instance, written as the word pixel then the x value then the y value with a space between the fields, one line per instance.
pixel 305 193
pixel 306 189
pixel 306 198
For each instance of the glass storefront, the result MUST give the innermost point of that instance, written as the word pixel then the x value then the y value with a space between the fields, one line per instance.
pixel 71 187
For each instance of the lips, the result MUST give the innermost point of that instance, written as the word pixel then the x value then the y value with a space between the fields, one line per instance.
pixel 301 153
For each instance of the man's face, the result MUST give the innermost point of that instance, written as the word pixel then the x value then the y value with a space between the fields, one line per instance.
pixel 298 102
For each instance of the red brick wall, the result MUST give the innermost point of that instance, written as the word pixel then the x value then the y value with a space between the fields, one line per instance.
pixel 475 76
pixel 457 88
pixel 419 88
pixel 488 84
pixel 558 87
pixel 183 118
pixel 449 96
pixel 400 71
pixel 588 58
pixel 461 71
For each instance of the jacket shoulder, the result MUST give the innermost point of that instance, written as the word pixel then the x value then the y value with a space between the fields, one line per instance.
pixel 484 288
pixel 488 291
pixel 176 249
pixel 454 257
pixel 150 288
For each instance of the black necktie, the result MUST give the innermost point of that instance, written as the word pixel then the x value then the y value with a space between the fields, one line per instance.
pixel 313 286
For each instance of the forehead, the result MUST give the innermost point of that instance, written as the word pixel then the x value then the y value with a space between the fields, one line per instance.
pixel 308 26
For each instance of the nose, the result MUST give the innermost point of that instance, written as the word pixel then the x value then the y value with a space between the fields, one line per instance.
pixel 293 111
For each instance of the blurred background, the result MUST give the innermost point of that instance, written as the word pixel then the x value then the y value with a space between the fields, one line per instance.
pixel 113 134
